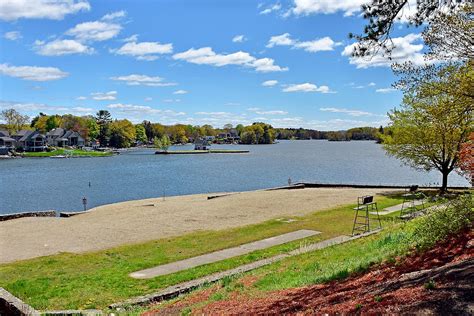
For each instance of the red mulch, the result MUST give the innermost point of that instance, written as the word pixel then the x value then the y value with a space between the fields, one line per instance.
pixel 364 294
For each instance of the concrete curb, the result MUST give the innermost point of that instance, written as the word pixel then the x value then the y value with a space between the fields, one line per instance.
pixel 12 305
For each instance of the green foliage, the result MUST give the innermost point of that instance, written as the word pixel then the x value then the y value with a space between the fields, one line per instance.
pixel 15 120
pixel 140 134
pixel 122 133
pixel 162 143
pixel 258 133
pixel 435 119
pixel 442 221
pixel 430 285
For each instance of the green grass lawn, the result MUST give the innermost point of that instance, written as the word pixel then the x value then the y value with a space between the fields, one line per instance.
pixel 71 152
pixel 97 279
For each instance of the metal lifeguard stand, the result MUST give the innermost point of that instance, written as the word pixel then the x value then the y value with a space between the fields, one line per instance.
pixel 412 199
pixel 365 207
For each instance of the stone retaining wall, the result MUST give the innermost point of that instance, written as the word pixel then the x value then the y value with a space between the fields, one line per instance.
pixel 7 217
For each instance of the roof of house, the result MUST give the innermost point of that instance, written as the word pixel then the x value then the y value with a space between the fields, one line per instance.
pixel 58 132
pixel 4 133
pixel 201 142
pixel 7 139
pixel 23 132
pixel 25 135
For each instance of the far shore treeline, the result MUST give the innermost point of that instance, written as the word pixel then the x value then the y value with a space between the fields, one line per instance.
pixel 122 133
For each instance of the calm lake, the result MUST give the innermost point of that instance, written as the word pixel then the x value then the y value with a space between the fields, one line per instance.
pixel 31 184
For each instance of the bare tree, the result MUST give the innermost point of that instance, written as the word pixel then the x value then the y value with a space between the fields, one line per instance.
pixel 14 119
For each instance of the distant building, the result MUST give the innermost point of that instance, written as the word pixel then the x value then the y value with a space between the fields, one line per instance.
pixel 6 141
pixel 202 144
pixel 30 140
pixel 59 137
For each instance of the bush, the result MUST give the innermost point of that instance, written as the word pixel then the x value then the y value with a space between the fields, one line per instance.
pixel 442 221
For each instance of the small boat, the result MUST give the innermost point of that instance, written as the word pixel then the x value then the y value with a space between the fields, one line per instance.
pixel 59 156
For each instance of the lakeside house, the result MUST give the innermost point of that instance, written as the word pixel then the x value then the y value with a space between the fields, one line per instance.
pixel 202 144
pixel 6 141
pixel 232 136
pixel 59 137
pixel 30 140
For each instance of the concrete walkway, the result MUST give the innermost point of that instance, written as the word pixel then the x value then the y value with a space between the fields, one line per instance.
pixel 185 287
pixel 222 254
pixel 396 208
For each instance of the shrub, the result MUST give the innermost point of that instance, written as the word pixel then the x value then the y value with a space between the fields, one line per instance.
pixel 442 221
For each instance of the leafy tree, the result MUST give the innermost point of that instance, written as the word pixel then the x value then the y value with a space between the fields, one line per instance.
pixel 36 118
pixel 15 120
pixel 41 123
pixel 122 133
pixel 140 133
pixel 435 120
pixel 93 128
pixel 162 143
pixel 103 119
pixel 466 159
pixel 382 15
pixel 450 35
pixel 52 122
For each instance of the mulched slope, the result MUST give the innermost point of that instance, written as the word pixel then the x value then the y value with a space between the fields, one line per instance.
pixel 390 288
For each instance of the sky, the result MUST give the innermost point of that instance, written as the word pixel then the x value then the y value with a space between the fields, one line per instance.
pixel 287 63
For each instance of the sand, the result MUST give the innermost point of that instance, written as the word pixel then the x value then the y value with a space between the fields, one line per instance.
pixel 144 220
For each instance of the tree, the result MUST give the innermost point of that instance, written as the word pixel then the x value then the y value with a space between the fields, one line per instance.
pixel 14 120
pixel 382 15
pixel 103 119
pixel 450 36
pixel 53 121
pixel 36 118
pixel 122 133
pixel 466 160
pixel 41 123
pixel 162 143
pixel 93 128
pixel 435 120
pixel 140 134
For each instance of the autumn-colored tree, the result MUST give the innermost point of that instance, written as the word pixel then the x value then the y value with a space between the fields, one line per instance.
pixel 466 159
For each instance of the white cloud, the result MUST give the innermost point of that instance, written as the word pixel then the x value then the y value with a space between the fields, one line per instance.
pixel 239 39
pixel 142 109
pixel 148 99
pixel 114 15
pixel 306 7
pixel 11 10
pixel 145 50
pixel 206 56
pixel 143 80
pixel 280 40
pixel 385 90
pixel 33 73
pixel 316 45
pixel 306 87
pixel 33 108
pixel 171 100
pixel 267 112
pixel 180 92
pixel 80 98
pixel 371 84
pixel 404 49
pixel 95 31
pixel 103 96
pixel 131 38
pixel 269 83
pixel 62 47
pixel 12 36
pixel 272 8
pixel 356 113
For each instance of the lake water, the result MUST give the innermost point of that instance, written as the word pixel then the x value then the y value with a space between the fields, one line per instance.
pixel 31 184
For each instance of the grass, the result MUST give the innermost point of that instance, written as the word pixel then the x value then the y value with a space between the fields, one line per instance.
pixel 97 279
pixel 340 261
pixel 66 152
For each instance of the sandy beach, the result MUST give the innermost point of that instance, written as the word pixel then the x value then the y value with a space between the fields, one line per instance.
pixel 143 220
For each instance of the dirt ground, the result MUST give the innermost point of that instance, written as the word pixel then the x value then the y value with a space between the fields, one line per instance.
pixel 143 220
pixel 437 282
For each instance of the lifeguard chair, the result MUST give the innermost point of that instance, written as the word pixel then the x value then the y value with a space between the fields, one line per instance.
pixel 413 200
pixel 362 220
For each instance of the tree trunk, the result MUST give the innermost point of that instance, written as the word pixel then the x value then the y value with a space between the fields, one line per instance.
pixel 444 185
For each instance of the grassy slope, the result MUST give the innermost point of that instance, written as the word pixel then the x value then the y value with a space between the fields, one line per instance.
pixel 94 280
pixel 74 152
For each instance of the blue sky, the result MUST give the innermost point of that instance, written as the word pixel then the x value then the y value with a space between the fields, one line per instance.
pixel 216 62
